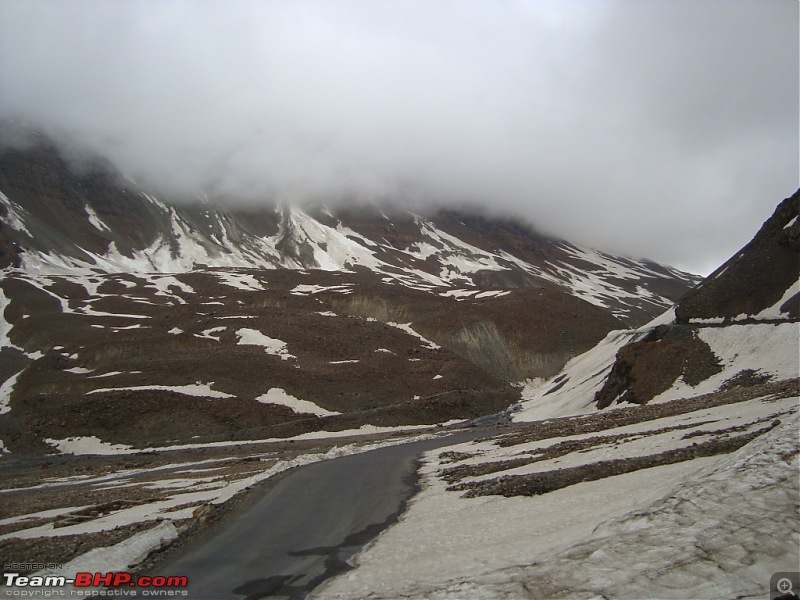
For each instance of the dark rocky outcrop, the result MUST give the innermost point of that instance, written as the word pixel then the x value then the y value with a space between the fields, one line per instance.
pixel 757 277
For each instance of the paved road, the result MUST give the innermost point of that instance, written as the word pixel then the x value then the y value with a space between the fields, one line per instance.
pixel 306 526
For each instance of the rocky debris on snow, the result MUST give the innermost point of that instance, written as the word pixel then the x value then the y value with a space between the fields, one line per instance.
pixel 542 483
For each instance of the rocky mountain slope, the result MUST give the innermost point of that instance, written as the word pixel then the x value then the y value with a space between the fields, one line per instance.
pixel 656 464
pixel 737 328
pixel 276 320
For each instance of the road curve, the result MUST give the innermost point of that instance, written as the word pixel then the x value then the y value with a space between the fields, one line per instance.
pixel 306 526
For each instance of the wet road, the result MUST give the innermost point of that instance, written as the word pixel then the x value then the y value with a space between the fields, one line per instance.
pixel 305 526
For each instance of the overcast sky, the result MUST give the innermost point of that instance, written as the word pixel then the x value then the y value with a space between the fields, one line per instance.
pixel 658 128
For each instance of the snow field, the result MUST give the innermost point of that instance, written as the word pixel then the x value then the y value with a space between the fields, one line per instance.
pixel 713 526
pixel 580 379
pixel 766 348
pixel 701 426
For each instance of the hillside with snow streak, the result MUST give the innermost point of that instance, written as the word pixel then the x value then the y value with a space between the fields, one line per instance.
pixel 661 463
pixel 97 220
pixel 741 326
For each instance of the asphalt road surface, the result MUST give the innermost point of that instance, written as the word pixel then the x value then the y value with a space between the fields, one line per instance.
pixel 306 526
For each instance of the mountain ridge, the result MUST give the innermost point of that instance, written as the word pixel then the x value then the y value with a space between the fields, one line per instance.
pixel 739 327
pixel 55 220
pixel 278 321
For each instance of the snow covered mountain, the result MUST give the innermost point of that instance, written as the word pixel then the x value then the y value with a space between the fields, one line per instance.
pixel 739 327
pixel 655 465
pixel 113 300
pixel 654 461
pixel 57 219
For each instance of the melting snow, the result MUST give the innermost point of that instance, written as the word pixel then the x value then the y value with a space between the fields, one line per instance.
pixel 88 445
pixel 79 370
pixel 700 528
pixel 6 389
pixel 175 507
pixel 12 216
pixel 774 312
pixel 279 396
pixel 209 333
pixel 274 346
pixel 241 281
pixel 306 289
pixel 164 283
pixel 116 558
pixel 95 220
pixel 202 390
pixel 407 328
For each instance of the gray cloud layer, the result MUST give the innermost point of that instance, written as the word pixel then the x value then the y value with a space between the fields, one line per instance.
pixel 664 128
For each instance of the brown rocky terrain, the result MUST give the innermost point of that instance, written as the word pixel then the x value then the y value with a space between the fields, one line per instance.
pixel 149 323
pixel 95 363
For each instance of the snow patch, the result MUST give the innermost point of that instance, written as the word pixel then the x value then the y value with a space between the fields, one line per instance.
pixel 6 389
pixel 79 370
pixel 774 312
pixel 709 321
pixel 88 445
pixel 273 346
pixel 406 327
pixel 572 391
pixel 767 348
pixel 201 390
pixel 95 220
pixel 116 558
pixel 279 396
pixel 240 281
pixel 308 289
pixel 12 217
pixel 210 333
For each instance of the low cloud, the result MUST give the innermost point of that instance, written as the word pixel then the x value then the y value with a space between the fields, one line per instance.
pixel 665 128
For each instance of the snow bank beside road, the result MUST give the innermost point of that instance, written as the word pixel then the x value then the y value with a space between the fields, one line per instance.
pixel 714 526
pixel 721 534
pixel 445 537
